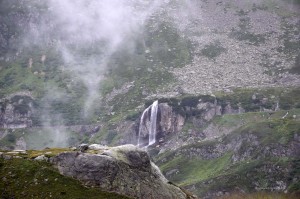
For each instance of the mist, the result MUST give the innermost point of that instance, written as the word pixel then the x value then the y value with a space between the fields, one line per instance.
pixel 86 35
pixel 103 26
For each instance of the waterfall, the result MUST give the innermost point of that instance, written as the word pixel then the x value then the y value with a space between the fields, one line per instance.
pixel 153 119
pixel 142 122
pixel 277 106
pixel 152 123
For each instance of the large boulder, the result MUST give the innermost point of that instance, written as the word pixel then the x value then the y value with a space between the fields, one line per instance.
pixel 125 169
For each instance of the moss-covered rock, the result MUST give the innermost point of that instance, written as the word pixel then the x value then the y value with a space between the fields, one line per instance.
pixel 125 169
pixel 23 178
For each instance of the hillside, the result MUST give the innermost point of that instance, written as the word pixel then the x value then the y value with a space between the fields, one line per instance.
pixel 28 179
pixel 225 74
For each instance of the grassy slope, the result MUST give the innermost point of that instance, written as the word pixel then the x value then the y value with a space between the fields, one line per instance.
pixel 221 173
pixel 31 179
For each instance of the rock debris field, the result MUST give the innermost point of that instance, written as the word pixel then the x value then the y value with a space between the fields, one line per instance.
pixel 241 44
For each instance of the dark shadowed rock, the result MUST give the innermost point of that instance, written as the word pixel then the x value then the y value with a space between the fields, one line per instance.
pixel 83 147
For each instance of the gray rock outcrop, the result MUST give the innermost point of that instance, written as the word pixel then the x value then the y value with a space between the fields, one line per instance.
pixel 16 111
pixel 169 120
pixel 125 169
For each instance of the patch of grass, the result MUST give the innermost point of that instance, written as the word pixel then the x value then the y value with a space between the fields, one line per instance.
pixel 252 177
pixel 228 120
pixel 192 171
pixel 288 98
pixel 8 142
pixel 48 152
pixel 243 33
pixel 254 39
pixel 221 174
pixel 15 78
pixel 259 195
pixel 268 131
pixel 291 43
pixel 133 116
pixel 294 175
pixel 124 105
pixel 111 135
pixel 213 50
pixel 166 45
pixel 296 68
pixel 187 126
pixel 100 136
pixel 32 179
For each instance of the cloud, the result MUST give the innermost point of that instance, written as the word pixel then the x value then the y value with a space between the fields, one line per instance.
pixel 87 33
pixel 78 26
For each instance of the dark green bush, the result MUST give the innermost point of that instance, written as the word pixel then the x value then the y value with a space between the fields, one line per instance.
pixel 190 101
pixel 11 138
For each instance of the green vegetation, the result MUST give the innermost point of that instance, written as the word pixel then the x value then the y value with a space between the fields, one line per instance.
pixel 15 77
pixel 296 68
pixel 295 185
pixel 260 195
pixel 9 140
pixel 204 166
pixel 286 97
pixel 166 45
pixel 31 179
pixel 249 175
pixel 156 51
pixel 213 50
pixel 61 96
pixel 290 46
pixel 192 170
pixel 243 33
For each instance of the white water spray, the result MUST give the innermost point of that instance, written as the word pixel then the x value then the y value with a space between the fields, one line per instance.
pixel 142 124
pixel 151 128
pixel 153 119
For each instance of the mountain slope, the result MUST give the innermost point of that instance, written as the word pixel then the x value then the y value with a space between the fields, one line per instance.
pixel 225 74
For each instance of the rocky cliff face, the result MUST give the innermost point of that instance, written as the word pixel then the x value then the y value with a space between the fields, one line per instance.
pixel 16 111
pixel 169 121
pixel 125 169
pixel 194 116
pixel 16 17
pixel 198 111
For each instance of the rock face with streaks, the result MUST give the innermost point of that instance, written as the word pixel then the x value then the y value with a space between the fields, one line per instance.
pixel 16 111
pixel 169 120
pixel 125 169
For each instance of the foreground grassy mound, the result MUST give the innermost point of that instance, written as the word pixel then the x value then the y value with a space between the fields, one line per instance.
pixel 22 178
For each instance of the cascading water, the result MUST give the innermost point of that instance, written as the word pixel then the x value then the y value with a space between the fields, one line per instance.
pixel 153 119
pixel 152 124
pixel 142 124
